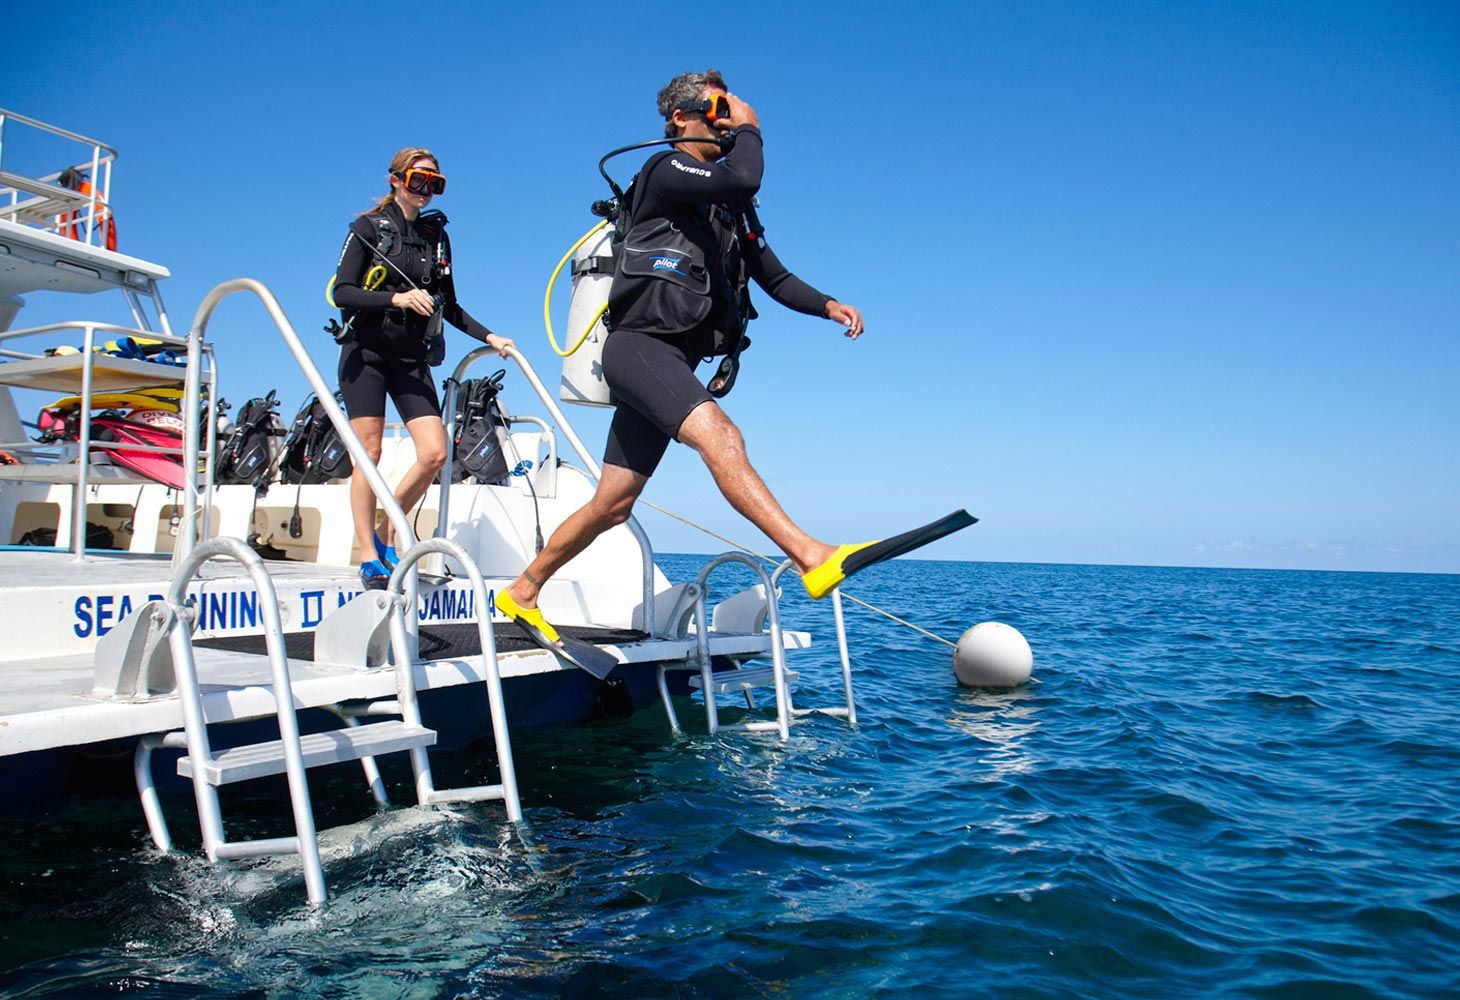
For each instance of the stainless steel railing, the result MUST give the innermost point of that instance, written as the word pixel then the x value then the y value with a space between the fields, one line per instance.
pixel 195 724
pixel 404 533
pixel 85 445
pixel 46 193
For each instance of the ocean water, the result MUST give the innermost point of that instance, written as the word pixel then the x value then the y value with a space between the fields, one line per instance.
pixel 1224 783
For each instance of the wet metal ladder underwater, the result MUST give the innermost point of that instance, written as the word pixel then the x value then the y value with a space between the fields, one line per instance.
pixel 751 610
pixel 168 621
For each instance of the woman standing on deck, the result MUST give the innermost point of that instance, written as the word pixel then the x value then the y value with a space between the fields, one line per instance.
pixel 394 287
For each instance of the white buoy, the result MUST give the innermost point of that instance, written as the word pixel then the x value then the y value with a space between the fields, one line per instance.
pixel 992 655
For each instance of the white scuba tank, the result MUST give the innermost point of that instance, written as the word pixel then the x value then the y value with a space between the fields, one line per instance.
pixel 592 275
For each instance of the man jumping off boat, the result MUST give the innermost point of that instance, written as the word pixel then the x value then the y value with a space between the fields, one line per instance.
pixel 689 240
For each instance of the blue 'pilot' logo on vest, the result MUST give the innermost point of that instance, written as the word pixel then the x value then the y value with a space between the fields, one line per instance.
pixel 667 264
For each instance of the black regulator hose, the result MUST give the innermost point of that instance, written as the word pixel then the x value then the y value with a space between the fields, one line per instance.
pixel 724 142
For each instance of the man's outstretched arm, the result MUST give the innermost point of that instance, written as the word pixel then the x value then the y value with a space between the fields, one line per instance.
pixel 793 293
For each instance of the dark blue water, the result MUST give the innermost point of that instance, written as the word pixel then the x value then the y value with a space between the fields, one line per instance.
pixel 1226 783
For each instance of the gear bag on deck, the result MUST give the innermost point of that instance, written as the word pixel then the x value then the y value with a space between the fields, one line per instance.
pixel 247 457
pixel 480 441
pixel 313 451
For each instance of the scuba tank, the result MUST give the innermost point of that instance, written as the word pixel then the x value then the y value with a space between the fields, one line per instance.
pixel 592 275
pixel 594 257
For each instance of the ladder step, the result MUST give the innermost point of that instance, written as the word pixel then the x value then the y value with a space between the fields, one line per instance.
pixel 727 681
pixel 258 760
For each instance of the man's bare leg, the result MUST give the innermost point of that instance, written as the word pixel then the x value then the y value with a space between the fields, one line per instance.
pixel 711 433
pixel 611 504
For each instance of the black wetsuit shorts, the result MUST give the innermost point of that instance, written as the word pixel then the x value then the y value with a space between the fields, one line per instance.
pixel 652 379
pixel 366 378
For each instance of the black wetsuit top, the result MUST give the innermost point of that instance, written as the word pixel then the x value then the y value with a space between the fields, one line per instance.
pixel 713 198
pixel 386 354
pixel 650 370
pixel 379 328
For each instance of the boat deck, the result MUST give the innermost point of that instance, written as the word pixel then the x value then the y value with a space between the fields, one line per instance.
pixel 28 264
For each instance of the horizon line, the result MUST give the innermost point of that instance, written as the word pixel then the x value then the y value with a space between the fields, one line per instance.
pixel 1230 569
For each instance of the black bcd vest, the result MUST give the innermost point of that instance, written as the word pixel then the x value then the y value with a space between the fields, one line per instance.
pixel 662 280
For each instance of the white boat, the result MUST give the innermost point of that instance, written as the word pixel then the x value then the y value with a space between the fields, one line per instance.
pixel 182 628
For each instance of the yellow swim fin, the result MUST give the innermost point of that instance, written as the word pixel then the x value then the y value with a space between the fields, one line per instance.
pixel 581 654
pixel 849 559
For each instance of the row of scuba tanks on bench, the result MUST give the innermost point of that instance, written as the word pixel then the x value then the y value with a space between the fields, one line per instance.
pixel 256 449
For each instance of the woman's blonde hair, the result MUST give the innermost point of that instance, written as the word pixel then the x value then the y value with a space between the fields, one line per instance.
pixel 398 164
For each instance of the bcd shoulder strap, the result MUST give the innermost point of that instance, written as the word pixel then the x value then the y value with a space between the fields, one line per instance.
pixel 624 221
pixel 385 234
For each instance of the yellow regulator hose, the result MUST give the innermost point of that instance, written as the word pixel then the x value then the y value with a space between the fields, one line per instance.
pixel 547 299
pixel 374 278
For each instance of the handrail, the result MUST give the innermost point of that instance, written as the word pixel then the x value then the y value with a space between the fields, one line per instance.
pixel 83 457
pixel 426 791
pixel 8 115
pixel 191 391
pixel 100 166
pixel 547 429
pixel 84 443
pixel 46 188
pixel 81 324
pixel 595 471
pixel 778 647
pixel 326 398
pixel 841 642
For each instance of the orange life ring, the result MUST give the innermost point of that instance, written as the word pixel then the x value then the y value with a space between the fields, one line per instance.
pixel 73 224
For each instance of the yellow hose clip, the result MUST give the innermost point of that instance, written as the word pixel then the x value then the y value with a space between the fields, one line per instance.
pixel 547 299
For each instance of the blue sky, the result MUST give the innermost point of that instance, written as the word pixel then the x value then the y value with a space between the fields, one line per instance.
pixel 1144 283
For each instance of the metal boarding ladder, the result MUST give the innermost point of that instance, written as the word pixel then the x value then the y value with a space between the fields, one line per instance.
pixel 292 754
pixel 359 622
pixel 209 770
pixel 692 601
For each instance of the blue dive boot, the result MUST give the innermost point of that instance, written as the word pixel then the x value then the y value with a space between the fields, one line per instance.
pixel 385 553
pixel 374 575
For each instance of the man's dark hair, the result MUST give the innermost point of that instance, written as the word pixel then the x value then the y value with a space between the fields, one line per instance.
pixel 685 89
